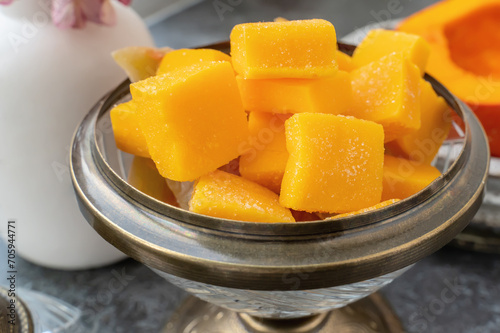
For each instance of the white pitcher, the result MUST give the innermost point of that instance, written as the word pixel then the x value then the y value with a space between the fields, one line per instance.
pixel 49 79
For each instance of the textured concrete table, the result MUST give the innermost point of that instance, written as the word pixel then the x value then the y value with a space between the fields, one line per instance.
pixel 450 291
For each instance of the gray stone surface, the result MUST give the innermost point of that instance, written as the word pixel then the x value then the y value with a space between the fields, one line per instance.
pixel 450 291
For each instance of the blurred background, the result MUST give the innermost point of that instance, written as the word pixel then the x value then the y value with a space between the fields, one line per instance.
pixel 205 22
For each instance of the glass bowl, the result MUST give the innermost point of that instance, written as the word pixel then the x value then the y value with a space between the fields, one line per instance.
pixel 278 270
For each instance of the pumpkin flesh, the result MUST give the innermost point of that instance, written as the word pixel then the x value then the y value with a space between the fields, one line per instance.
pixel 465 48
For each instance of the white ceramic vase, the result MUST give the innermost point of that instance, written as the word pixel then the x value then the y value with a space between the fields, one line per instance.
pixel 49 79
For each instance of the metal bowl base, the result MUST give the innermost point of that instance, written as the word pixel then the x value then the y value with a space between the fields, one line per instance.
pixel 369 315
pixel 483 233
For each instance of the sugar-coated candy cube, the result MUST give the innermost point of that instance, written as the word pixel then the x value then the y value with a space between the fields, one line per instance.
pixel 188 57
pixel 403 178
pixel 380 42
pixel 335 163
pixel 221 194
pixel 265 156
pixel 423 144
pixel 290 49
pixel 387 92
pixel 325 95
pixel 191 127
pixel 128 135
pixel 364 210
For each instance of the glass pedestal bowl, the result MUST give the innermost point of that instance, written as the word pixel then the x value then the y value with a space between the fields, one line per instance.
pixel 281 277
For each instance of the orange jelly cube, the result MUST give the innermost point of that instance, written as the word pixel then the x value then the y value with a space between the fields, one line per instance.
pixel 422 145
pixel 191 127
pixel 144 176
pixel 335 163
pixel 128 135
pixel 403 178
pixel 325 95
pixel 265 156
pixel 364 210
pixel 387 92
pixel 345 62
pixel 221 194
pixel 379 43
pixel 188 57
pixel 289 49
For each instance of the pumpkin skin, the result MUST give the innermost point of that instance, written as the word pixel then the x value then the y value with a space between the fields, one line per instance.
pixel 464 37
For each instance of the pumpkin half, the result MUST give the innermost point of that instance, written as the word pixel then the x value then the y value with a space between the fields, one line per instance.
pixel 464 37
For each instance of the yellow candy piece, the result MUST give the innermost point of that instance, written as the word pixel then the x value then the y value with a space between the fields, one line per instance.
pixel 265 156
pixel 345 62
pixel 387 92
pixel 286 49
pixel 144 176
pixel 192 119
pixel 139 62
pixel 423 144
pixel 364 210
pixel 326 95
pixel 280 19
pixel 188 57
pixel 128 135
pixel 403 178
pixel 335 163
pixel 379 43
pixel 221 194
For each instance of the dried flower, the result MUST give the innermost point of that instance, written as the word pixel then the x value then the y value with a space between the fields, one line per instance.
pixel 75 13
